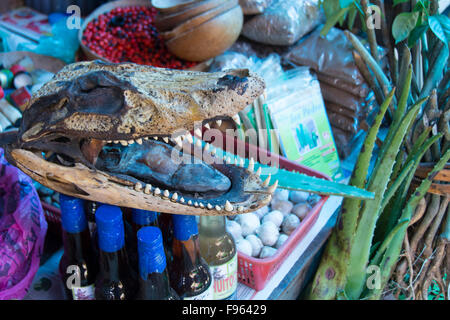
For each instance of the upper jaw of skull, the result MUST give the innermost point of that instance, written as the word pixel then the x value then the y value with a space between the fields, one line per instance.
pixel 89 105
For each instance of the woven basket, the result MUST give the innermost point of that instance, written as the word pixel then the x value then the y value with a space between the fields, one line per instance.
pixel 440 184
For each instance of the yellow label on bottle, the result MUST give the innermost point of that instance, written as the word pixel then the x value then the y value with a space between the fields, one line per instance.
pixel 225 279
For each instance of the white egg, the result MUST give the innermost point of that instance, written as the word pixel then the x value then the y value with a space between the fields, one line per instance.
pixel 256 244
pixel 298 196
pixel 281 240
pixel 290 223
pixel 267 252
pixel 281 194
pixel 301 210
pixel 244 246
pixel 234 229
pixel 261 211
pixel 249 223
pixel 275 216
pixel 284 206
pixel 268 233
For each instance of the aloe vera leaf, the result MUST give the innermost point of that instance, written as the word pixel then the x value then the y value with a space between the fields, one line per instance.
pixel 329 279
pixel 389 218
pixel 404 69
pixel 301 182
pixel 377 258
pixel 371 62
pixel 418 143
pixel 397 166
pixel 337 251
pixel 390 136
pixel 403 101
pixel 392 253
pixel 435 72
pixel 370 212
pixel 398 181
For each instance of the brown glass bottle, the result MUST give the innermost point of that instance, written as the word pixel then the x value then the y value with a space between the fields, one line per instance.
pixel 139 219
pixel 189 274
pixel 153 275
pixel 115 280
pixel 78 264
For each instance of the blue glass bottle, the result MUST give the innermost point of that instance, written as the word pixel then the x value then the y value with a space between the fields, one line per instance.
pixel 115 280
pixel 153 275
pixel 78 264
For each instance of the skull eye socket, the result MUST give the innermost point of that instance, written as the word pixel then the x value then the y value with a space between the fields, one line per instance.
pixel 98 92
pixel 100 100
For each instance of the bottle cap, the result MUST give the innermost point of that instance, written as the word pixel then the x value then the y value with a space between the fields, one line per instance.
pixel 143 217
pixel 110 228
pixel 152 257
pixel 184 226
pixel 73 219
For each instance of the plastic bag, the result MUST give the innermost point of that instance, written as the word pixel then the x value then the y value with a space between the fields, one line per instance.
pixel 22 231
pixel 63 44
pixel 283 22
pixel 254 6
pixel 330 55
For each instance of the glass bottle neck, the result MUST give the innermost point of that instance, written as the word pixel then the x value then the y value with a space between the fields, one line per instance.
pixel 114 264
pixel 212 226
pixel 77 246
pixel 186 252
pixel 155 286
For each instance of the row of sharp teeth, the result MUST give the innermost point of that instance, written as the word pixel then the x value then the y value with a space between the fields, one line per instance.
pixel 177 140
pixel 148 189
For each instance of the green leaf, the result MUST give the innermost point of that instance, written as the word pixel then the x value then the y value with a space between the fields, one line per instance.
pixel 387 241
pixel 416 33
pixel 331 22
pixel 330 7
pixel 440 25
pixel 403 24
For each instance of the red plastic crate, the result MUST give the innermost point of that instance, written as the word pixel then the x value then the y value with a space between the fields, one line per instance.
pixel 255 272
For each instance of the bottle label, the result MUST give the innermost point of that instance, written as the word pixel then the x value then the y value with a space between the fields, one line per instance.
pixel 208 294
pixel 83 293
pixel 225 279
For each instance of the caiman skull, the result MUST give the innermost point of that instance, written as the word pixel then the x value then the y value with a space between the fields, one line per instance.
pixel 105 132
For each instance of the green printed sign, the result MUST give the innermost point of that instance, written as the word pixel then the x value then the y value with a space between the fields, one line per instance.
pixel 304 130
